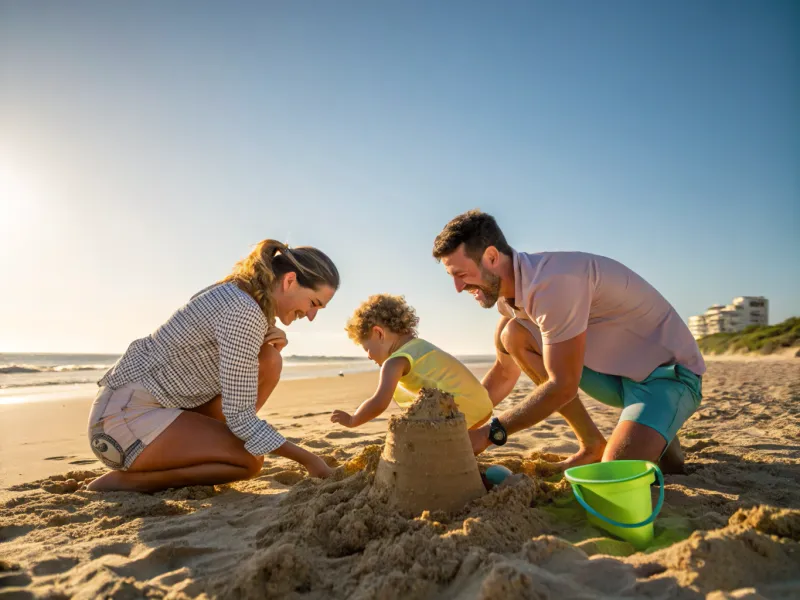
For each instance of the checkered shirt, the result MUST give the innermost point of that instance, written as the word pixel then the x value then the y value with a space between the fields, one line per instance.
pixel 208 347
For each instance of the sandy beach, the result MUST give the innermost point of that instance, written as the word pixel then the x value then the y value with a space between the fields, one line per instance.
pixel 730 527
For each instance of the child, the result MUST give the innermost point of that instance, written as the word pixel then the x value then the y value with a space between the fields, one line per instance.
pixel 386 328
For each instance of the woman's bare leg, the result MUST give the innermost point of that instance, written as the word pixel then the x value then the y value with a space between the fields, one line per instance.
pixel 193 450
pixel 197 448
pixel 270 364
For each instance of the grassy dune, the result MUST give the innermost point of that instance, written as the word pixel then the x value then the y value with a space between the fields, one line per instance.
pixel 756 338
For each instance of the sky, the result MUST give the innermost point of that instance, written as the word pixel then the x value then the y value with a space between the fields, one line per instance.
pixel 146 146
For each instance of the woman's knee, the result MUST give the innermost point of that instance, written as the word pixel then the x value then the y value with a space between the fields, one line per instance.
pixel 270 362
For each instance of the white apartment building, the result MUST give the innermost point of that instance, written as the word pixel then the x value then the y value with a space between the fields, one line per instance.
pixel 730 318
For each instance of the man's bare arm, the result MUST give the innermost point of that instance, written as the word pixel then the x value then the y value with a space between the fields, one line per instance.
pixel 564 365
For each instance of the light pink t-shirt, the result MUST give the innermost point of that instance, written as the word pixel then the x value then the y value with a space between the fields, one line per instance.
pixel 630 328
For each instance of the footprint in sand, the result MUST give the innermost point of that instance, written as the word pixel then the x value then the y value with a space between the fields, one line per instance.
pixel 9 532
pixel 159 561
pixel 59 457
pixel 54 566
pixel 85 461
pixel 118 548
pixel 14 579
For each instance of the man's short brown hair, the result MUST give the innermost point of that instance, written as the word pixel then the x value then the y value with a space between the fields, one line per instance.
pixel 476 230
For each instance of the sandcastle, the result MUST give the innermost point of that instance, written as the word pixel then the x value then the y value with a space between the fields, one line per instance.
pixel 427 461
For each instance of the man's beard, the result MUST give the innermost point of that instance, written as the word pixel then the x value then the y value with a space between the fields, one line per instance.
pixel 490 288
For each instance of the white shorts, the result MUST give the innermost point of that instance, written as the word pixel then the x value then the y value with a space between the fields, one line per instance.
pixel 124 421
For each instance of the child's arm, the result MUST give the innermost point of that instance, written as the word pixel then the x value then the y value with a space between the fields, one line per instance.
pixel 391 372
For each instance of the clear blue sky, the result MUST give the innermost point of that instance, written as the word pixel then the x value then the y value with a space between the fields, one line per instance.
pixel 144 146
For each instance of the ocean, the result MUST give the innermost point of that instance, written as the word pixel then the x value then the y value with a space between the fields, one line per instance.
pixel 34 376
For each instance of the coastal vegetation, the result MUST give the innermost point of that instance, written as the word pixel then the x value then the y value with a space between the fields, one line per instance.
pixel 764 339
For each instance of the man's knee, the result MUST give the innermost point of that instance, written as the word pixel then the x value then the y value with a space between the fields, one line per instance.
pixel 270 361
pixel 515 338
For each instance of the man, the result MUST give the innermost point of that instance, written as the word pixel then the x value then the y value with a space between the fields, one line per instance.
pixel 574 320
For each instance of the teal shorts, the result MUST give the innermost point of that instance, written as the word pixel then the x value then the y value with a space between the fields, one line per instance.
pixel 663 401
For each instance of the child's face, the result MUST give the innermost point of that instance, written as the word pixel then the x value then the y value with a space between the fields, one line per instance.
pixel 377 345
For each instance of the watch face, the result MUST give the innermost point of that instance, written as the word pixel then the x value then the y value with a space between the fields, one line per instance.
pixel 498 435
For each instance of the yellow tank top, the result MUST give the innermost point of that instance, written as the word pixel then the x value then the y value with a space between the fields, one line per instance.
pixel 435 368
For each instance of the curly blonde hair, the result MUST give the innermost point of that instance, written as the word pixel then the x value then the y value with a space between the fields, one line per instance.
pixel 258 272
pixel 384 310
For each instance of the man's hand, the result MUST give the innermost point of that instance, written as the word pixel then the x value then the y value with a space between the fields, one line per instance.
pixel 342 418
pixel 276 338
pixel 480 439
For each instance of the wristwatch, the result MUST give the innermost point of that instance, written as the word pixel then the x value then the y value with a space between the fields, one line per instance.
pixel 497 433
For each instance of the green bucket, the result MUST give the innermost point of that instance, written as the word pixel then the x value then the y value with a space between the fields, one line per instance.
pixel 616 496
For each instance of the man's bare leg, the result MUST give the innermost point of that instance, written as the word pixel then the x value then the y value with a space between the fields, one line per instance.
pixel 523 347
pixel 634 441
pixel 672 462
pixel 592 443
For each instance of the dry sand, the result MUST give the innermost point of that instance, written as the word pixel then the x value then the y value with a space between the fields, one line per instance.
pixel 730 527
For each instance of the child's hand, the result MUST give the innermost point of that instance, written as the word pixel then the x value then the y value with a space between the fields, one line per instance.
pixel 342 418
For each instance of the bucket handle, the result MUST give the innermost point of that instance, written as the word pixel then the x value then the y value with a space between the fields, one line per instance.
pixel 579 496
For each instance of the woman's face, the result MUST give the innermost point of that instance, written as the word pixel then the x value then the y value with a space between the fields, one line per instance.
pixel 293 301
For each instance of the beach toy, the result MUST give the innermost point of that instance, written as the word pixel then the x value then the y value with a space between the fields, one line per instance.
pixel 616 496
pixel 427 461
pixel 496 474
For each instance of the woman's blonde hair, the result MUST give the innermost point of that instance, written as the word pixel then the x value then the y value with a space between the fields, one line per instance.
pixel 385 310
pixel 270 260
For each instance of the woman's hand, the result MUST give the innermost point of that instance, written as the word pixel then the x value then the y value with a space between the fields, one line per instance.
pixel 314 464
pixel 342 418
pixel 317 467
pixel 276 338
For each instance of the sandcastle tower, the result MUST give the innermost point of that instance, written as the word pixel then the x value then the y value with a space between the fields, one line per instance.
pixel 427 461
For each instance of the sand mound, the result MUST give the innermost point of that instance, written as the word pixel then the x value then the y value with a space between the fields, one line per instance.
pixel 431 405
pixel 745 553
pixel 336 539
pixel 427 461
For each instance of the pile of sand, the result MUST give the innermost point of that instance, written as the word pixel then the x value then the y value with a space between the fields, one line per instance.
pixel 431 405
pixel 729 528
pixel 427 461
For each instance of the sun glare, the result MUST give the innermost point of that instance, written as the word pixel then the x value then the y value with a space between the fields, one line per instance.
pixel 18 200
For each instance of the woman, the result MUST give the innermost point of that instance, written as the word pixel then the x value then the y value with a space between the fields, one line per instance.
pixel 179 408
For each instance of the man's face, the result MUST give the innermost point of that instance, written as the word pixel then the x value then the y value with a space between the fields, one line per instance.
pixel 472 277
